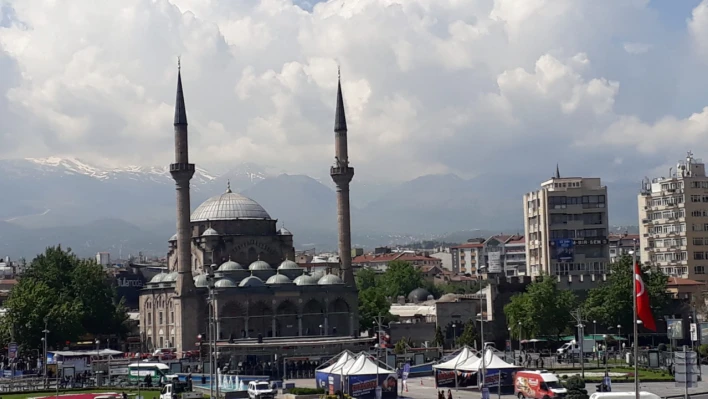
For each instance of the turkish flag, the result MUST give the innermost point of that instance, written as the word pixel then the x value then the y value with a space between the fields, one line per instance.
pixel 643 310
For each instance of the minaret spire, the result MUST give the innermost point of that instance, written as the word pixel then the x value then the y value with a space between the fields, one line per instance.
pixel 340 120
pixel 558 173
pixel 342 175
pixel 180 108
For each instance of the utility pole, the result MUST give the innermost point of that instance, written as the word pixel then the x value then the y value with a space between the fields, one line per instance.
pixel 378 391
pixel 577 316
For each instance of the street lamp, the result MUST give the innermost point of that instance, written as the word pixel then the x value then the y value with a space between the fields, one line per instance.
pixel 484 366
pixel 604 338
pixel 322 332
pixel 520 349
pixel 454 334
pixel 619 331
pixel 44 342
pixel 594 341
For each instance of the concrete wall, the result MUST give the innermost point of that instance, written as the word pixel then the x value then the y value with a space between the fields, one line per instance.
pixel 418 333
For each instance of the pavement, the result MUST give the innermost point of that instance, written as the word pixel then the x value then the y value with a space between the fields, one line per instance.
pixel 424 388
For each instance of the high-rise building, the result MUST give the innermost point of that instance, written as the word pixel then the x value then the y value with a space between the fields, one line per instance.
pixel 673 221
pixel 566 227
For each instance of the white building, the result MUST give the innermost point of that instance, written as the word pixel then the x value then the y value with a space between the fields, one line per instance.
pixel 103 258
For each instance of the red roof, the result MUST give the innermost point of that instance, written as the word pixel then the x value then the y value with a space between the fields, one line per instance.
pixel 403 256
pixel 682 281
pixel 469 245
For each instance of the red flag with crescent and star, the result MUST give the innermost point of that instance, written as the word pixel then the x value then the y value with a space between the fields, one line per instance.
pixel 643 309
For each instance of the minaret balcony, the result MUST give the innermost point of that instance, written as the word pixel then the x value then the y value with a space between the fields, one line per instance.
pixel 341 170
pixel 182 167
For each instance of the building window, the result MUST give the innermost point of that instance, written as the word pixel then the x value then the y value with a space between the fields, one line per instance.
pixel 149 319
pixel 162 340
pixel 699 269
pixel 172 317
pixel 159 322
pixel 698 256
pixel 697 240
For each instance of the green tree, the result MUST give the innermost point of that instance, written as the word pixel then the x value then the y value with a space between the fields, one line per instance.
pixel 542 310
pixel 576 388
pixel 439 337
pixel 372 303
pixel 611 302
pixel 400 347
pixel 400 278
pixel 365 278
pixel 469 335
pixel 73 295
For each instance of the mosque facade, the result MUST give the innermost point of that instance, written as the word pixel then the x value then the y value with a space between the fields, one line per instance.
pixel 235 247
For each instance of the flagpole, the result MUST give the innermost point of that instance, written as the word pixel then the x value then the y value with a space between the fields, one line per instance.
pixel 634 304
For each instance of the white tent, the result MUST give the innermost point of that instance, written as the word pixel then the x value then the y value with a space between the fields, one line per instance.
pixel 365 366
pixel 346 358
pixel 462 356
pixel 491 361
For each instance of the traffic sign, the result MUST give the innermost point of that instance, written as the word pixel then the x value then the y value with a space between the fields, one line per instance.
pixel 694 332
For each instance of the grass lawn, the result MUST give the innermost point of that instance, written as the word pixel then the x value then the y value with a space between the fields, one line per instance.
pixel 596 375
pixel 131 393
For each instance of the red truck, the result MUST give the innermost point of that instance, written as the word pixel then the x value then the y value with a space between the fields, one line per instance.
pixel 530 384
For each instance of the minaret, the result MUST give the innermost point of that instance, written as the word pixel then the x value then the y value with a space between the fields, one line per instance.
pixel 182 171
pixel 342 174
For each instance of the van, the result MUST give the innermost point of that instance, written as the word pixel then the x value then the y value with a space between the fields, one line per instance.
pixel 157 372
pixel 537 385
pixel 623 395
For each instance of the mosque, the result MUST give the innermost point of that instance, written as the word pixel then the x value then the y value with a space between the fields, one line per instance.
pixel 232 244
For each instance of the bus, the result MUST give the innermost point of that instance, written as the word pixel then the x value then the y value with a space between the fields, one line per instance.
pixel 157 371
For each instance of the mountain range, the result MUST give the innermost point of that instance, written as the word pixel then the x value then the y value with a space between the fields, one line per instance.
pixel 130 210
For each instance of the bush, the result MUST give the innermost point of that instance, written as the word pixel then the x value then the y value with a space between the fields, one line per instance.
pixel 576 388
pixel 307 391
pixel 703 350
pixel 564 377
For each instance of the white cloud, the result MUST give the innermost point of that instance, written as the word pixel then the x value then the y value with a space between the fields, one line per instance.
pixel 430 86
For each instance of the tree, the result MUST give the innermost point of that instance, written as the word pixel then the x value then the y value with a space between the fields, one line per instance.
pixel 439 337
pixel 73 295
pixel 576 388
pixel 372 303
pixel 469 335
pixel 400 347
pixel 542 310
pixel 400 278
pixel 365 278
pixel 611 302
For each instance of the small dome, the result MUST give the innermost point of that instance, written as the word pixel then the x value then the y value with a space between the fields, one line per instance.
pixel 306 280
pixel 330 279
pixel 158 278
pixel 171 277
pixel 210 232
pixel 225 283
pixel 230 265
pixel 201 281
pixel 288 265
pixel 259 265
pixel 174 238
pixel 418 295
pixel 277 279
pixel 284 232
pixel 251 281
pixel 318 274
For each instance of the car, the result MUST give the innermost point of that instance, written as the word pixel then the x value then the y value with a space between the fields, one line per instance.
pixel 260 390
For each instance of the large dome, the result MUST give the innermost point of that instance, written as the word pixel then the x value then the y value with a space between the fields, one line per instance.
pixel 229 206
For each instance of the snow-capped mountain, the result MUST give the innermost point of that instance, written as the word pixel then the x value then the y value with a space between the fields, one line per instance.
pixel 158 174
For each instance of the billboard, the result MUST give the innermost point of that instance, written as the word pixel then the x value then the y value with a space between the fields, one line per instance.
pixel 364 386
pixel 674 328
pixel 494 264
pixel 564 250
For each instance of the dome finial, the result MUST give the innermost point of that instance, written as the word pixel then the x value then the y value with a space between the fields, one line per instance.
pixel 228 186
pixel 259 256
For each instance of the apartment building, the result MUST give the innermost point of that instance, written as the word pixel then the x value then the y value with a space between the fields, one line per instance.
pixel 673 221
pixel 622 244
pixel 566 227
pixel 498 254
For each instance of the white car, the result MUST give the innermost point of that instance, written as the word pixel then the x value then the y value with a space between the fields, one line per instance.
pixel 260 390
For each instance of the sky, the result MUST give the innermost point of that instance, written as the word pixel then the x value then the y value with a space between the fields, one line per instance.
pixel 607 88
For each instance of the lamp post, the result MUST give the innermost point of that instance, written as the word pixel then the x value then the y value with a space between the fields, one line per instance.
pixel 108 346
pixel 594 341
pixel 520 348
pixel 454 335
pixel 322 333
pixel 98 343
pixel 604 338
pixel 44 342
pixel 511 345
pixel 484 366
pixel 212 361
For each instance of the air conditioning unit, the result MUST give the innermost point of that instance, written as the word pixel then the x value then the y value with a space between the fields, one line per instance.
pixel 645 221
